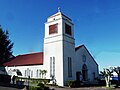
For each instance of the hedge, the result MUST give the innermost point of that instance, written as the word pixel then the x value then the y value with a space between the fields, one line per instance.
pixel 34 80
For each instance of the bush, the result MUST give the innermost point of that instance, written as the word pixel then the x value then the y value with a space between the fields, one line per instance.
pixel 34 80
pixel 38 88
pixel 35 88
pixel 70 83
pixel 46 88
pixel 45 81
pixel 5 78
pixel 41 85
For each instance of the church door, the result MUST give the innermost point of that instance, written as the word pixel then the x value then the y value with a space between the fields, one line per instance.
pixel 84 72
pixel 78 76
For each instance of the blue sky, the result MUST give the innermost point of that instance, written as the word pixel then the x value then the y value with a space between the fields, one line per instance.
pixel 96 24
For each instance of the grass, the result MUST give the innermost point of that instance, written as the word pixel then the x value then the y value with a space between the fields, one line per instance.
pixel 111 87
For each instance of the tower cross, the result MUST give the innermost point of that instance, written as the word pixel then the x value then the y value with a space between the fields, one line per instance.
pixel 59 9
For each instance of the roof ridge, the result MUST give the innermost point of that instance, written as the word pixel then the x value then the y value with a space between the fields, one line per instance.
pixel 77 47
pixel 29 53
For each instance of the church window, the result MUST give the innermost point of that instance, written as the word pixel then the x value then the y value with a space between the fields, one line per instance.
pixel 28 72
pixel 53 29
pixel 36 73
pixel 84 58
pixel 84 72
pixel 31 73
pixel 52 66
pixel 68 29
pixel 93 75
pixel 69 67
pixel 25 72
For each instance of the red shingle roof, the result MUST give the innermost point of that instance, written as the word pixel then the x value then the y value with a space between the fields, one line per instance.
pixel 26 59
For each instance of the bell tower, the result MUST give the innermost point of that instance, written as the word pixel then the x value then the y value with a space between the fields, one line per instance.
pixel 59 48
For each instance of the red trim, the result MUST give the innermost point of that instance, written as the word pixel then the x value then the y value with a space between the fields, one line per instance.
pixel 76 48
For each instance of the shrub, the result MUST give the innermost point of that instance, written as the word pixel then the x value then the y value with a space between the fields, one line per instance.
pixel 45 81
pixel 46 88
pixel 41 85
pixel 70 83
pixel 35 88
pixel 34 80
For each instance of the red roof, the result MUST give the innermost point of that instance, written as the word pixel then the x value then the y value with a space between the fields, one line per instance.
pixel 26 59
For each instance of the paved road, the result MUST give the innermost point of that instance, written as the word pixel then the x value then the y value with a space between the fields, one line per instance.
pixel 83 88
pixel 57 88
pixel 8 88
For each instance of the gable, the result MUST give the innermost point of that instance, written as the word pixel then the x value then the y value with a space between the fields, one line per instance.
pixel 83 46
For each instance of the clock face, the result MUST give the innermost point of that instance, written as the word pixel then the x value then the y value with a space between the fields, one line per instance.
pixel 84 58
pixel 53 29
pixel 68 29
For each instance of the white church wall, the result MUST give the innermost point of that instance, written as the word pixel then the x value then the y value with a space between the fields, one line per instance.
pixel 54 50
pixel 91 65
pixel 54 17
pixel 69 51
pixel 53 47
pixel 26 70
pixel 47 24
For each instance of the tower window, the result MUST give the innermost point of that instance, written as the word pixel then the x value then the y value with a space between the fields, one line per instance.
pixel 53 29
pixel 69 67
pixel 68 29
pixel 52 67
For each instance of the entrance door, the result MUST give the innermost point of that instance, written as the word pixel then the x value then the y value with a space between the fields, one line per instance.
pixel 77 76
pixel 84 72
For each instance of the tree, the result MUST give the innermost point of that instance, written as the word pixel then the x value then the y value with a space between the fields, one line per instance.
pixel 117 70
pixel 107 73
pixel 5 47
pixel 43 72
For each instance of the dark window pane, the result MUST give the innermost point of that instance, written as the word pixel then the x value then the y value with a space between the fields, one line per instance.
pixel 68 29
pixel 53 29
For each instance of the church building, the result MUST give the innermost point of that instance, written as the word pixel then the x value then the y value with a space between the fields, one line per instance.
pixel 61 59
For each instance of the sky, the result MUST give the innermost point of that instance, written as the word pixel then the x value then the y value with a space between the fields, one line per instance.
pixel 96 25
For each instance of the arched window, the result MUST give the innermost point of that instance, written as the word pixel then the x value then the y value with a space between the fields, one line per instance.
pixel 37 72
pixel 52 67
pixel 84 72
pixel 84 58
pixel 69 67
pixel 25 72
pixel 10 72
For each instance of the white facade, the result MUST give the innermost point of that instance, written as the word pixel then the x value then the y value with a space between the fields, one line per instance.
pixel 57 46
pixel 83 57
pixel 61 59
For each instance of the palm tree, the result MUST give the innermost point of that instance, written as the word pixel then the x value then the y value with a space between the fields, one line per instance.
pixel 107 73
pixel 43 72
